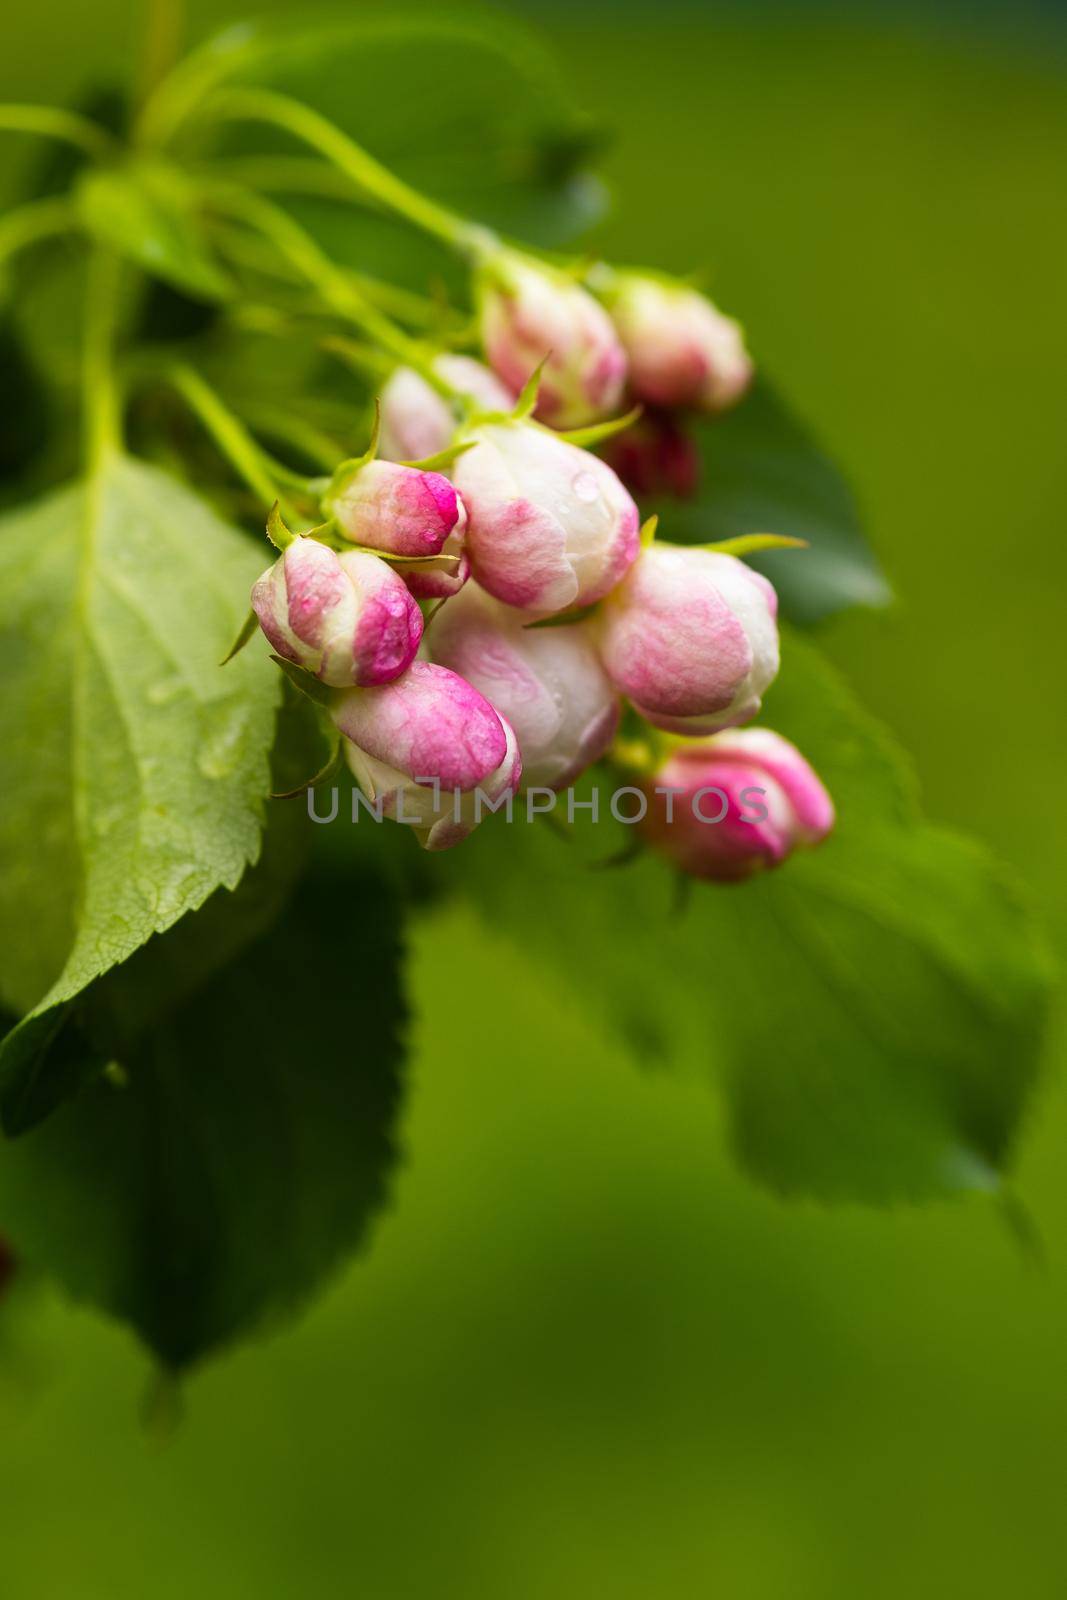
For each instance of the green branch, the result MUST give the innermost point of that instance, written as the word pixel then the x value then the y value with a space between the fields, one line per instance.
pixel 369 175
pixel 334 285
pixel 32 222
pixel 52 123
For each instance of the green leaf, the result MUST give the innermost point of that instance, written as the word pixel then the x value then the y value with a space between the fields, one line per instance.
pixel 250 1145
pixel 135 766
pixel 762 473
pixel 147 210
pixel 874 1010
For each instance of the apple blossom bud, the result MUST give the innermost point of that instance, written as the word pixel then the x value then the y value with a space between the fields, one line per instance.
pixel 682 350
pixel 549 526
pixel 431 750
pixel 736 804
pixel 417 422
pixel 690 637
pixel 530 312
pixel 439 583
pixel 547 682
pixel 398 510
pixel 347 618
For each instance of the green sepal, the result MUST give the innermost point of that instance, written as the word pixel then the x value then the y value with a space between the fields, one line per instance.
pixel 327 769
pixel 344 474
pixel 747 544
pixel 527 400
pixel 279 535
pixel 306 682
pixel 248 628
pixel 563 619
pixel 443 459
pixel 375 435
pixel 597 432
pixel 442 562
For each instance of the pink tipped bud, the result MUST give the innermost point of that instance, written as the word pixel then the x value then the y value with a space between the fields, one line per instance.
pixel 398 510
pixel 417 422
pixel 431 750
pixel 550 527
pixel 547 682
pixel 682 350
pixel 440 583
pixel 347 618
pixel 690 637
pixel 530 312
pixel 735 805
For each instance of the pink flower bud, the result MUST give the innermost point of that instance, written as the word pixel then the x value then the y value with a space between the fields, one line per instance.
pixel 437 583
pixel 547 682
pixel 736 804
pixel 417 422
pixel 432 749
pixel 690 637
pixel 550 526
pixel 530 312
pixel 347 618
pixel 682 350
pixel 396 509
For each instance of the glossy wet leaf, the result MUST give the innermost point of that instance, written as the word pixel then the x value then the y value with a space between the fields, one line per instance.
pixel 134 766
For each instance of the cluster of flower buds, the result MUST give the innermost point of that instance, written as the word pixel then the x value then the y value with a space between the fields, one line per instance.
pixel 555 608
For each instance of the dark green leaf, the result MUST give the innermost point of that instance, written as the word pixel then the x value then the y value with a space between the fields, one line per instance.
pixel 762 473
pixel 134 766
pixel 874 1009
pixel 247 1142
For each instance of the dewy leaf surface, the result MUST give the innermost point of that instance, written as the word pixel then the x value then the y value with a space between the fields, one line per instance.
pixel 135 767
pixel 251 1139
pixel 874 1010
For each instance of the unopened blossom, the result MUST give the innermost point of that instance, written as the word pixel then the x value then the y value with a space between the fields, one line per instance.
pixel 529 314
pixel 549 526
pixel 681 349
pixel 347 618
pixel 735 804
pixel 396 509
pixel 439 582
pixel 417 422
pixel 430 750
pixel 690 637
pixel 547 682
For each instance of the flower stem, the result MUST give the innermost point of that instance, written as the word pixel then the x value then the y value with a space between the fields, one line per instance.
pixel 334 285
pixel 368 174
pixel 52 123
pixel 259 471
pixel 36 220
pixel 101 408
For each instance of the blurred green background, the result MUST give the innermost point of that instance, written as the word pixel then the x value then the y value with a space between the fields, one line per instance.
pixel 582 1355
